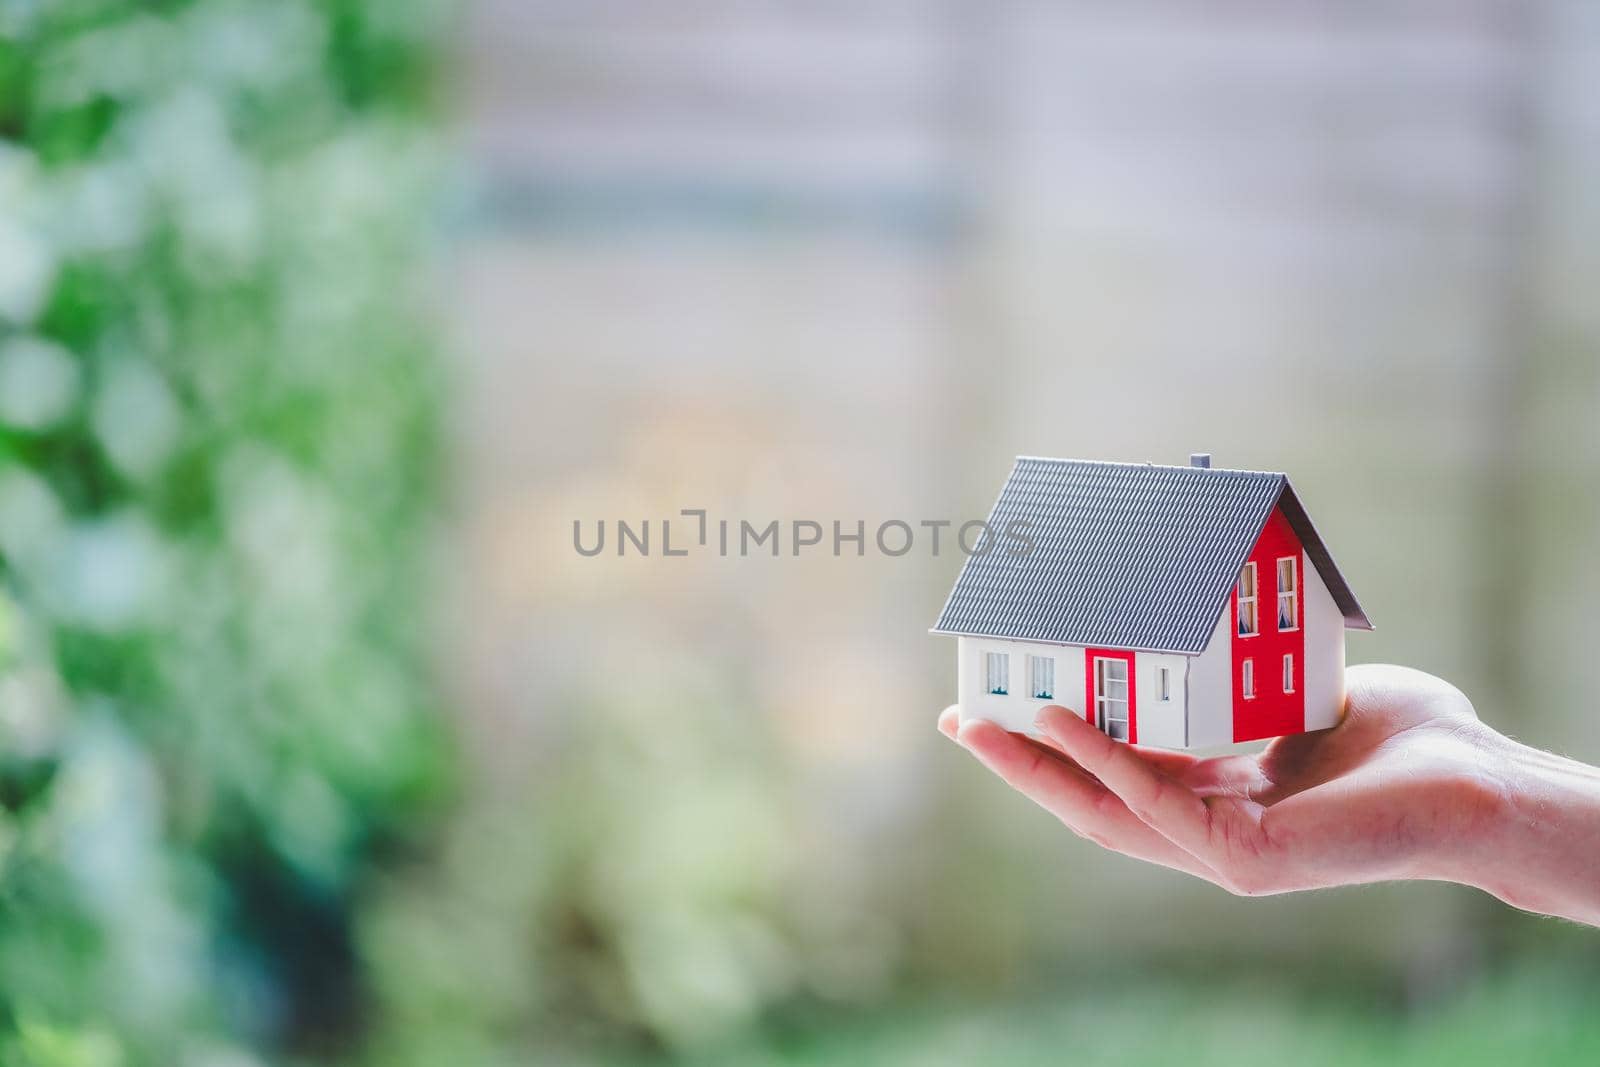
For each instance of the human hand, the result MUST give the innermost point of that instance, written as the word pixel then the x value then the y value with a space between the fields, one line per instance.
pixel 1410 784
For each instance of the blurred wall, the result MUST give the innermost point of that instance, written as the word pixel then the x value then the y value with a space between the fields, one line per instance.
pixel 846 260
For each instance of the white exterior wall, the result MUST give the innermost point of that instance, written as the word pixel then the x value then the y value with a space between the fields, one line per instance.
pixel 1324 653
pixel 1158 723
pixel 1211 688
pixel 1016 710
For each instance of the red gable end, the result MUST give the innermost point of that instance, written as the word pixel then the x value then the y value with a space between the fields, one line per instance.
pixel 1271 702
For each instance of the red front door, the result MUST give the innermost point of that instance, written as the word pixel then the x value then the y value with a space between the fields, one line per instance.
pixel 1111 694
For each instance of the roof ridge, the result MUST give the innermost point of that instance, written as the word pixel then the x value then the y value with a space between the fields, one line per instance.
pixel 1154 466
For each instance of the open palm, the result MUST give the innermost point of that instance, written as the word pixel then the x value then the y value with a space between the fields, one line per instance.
pixel 1369 800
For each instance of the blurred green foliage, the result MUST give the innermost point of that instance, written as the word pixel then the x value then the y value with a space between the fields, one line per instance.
pixel 218 440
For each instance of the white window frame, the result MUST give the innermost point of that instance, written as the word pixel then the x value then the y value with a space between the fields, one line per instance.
pixel 1048 690
pixel 1164 684
pixel 1104 702
pixel 1252 601
pixel 1291 595
pixel 1247 678
pixel 997 663
pixel 1288 672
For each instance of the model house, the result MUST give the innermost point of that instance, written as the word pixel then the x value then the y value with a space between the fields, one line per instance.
pixel 1173 606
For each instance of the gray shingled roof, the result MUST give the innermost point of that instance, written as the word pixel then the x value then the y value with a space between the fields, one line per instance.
pixel 1128 555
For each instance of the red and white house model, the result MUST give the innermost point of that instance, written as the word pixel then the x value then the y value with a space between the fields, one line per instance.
pixel 1179 607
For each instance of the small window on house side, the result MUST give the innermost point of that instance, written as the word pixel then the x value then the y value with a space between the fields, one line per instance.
pixel 1247 679
pixel 1247 601
pixel 997 673
pixel 1288 672
pixel 1288 593
pixel 1164 683
pixel 1042 677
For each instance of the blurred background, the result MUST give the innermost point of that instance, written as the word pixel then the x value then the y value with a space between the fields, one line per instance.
pixel 322 321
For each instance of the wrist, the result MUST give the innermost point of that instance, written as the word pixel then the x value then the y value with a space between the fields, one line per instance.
pixel 1532 829
pixel 1478 809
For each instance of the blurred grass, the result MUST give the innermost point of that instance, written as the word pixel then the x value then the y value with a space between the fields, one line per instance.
pixel 1543 1017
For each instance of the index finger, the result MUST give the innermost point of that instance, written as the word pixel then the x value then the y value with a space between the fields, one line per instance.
pixel 1088 807
pixel 1174 810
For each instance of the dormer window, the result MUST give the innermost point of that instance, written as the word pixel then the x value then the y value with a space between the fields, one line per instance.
pixel 1288 593
pixel 1249 624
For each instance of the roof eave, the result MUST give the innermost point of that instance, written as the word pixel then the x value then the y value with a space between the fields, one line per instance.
pixel 1066 644
pixel 1344 598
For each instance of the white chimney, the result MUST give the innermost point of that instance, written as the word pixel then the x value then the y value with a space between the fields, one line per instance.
pixel 1199 459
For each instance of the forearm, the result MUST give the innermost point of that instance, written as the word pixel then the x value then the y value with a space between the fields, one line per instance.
pixel 1539 843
